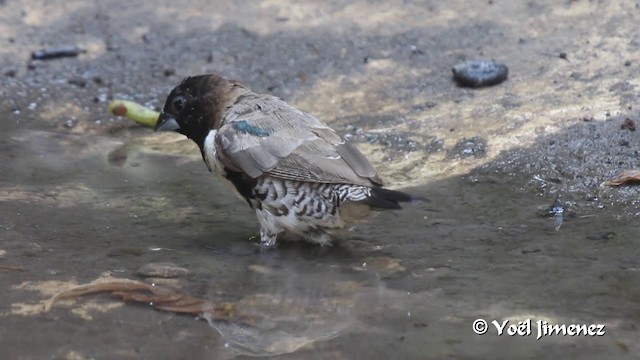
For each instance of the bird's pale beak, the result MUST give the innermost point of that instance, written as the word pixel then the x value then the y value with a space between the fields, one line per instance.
pixel 166 122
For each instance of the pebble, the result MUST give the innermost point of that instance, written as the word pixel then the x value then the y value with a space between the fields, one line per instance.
pixel 470 147
pixel 479 73
pixel 71 123
pixel 162 270
pixel 628 124
pixel 58 52
pixel 77 81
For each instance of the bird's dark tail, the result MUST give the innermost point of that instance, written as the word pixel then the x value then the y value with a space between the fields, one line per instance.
pixel 389 199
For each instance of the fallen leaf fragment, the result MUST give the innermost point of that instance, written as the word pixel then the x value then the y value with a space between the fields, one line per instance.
pixel 160 298
pixel 627 177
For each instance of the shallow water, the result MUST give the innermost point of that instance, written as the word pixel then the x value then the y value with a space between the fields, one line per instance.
pixel 407 285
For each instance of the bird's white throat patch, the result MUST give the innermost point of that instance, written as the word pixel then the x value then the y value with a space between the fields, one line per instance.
pixel 213 163
pixel 210 153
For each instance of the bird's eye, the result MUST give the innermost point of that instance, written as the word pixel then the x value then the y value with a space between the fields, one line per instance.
pixel 178 103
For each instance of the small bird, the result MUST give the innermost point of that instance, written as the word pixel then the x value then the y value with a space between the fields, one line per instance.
pixel 300 177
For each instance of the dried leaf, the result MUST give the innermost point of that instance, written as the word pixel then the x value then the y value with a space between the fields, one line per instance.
pixel 94 288
pixel 160 298
pixel 627 177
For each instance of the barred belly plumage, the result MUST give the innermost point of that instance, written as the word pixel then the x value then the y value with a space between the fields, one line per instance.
pixel 306 209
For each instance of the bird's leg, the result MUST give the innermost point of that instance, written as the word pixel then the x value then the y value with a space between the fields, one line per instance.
pixel 267 238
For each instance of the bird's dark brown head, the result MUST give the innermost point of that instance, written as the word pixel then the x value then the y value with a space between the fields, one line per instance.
pixel 196 106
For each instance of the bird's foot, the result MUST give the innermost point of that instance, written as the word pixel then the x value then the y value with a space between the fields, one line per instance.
pixel 267 239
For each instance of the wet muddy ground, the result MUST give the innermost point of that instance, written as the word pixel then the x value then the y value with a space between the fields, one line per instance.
pixel 84 195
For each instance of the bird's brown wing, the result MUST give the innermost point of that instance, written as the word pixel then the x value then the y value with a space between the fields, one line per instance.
pixel 264 135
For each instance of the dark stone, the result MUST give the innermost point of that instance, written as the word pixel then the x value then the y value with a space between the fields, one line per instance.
pixel 59 52
pixel 479 73
pixel 77 81
pixel 473 147
pixel 628 124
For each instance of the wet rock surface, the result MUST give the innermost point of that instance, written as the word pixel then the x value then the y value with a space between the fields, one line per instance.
pixel 84 194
